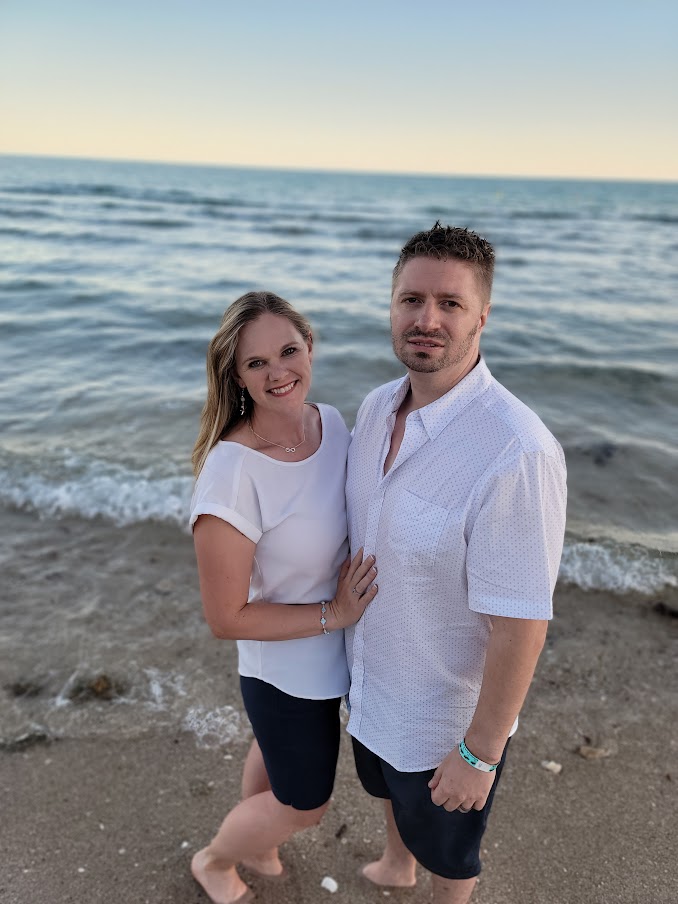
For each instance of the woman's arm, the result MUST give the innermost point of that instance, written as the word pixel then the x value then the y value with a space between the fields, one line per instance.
pixel 225 560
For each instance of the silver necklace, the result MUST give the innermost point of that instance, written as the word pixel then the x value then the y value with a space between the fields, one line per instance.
pixel 270 442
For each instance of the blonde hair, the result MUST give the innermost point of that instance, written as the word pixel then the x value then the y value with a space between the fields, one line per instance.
pixel 221 411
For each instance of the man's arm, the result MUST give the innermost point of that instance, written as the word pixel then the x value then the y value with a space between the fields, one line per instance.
pixel 512 653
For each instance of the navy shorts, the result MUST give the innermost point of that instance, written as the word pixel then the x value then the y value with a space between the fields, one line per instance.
pixel 299 740
pixel 446 844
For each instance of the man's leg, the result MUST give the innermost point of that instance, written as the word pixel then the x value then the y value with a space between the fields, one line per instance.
pixel 447 844
pixel 396 866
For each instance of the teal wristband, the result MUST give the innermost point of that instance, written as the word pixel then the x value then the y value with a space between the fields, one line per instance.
pixel 473 760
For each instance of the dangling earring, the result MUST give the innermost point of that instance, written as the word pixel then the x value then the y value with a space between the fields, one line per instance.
pixel 242 402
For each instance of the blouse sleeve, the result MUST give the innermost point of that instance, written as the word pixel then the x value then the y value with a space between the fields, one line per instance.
pixel 224 489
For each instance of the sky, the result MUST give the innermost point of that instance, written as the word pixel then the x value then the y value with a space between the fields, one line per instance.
pixel 576 89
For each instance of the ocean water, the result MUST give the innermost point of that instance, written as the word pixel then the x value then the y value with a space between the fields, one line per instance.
pixel 114 276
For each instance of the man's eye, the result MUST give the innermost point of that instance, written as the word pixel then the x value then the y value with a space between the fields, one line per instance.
pixel 411 300
pixel 450 303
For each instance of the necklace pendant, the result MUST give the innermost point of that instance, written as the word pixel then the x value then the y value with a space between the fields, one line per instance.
pixel 293 449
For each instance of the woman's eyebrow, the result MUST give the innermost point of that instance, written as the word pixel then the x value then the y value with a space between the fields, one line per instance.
pixel 261 357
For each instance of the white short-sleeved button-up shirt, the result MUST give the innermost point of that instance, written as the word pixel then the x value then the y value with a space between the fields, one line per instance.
pixel 468 523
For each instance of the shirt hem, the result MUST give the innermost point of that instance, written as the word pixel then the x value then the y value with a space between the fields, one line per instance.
pixel 290 693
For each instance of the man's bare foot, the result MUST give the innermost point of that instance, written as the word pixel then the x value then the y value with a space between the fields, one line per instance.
pixel 269 867
pixel 394 875
pixel 222 886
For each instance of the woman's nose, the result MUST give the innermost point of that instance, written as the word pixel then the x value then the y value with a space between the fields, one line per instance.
pixel 277 371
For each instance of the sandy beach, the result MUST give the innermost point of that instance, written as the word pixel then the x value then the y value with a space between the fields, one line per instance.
pixel 112 814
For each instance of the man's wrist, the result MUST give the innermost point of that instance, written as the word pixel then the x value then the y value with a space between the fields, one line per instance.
pixel 489 750
pixel 469 757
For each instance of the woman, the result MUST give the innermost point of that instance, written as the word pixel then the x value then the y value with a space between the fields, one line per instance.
pixel 269 521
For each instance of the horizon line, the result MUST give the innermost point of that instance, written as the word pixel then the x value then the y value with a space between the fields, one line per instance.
pixel 347 171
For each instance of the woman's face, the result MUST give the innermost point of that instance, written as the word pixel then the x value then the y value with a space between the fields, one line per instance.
pixel 273 363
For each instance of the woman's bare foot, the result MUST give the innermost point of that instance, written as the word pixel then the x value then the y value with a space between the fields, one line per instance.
pixel 394 875
pixel 222 886
pixel 270 867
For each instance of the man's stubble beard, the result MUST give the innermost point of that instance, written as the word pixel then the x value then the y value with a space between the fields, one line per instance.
pixel 420 363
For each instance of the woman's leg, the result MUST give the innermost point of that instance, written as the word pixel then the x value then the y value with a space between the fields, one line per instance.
pixel 255 781
pixel 254 775
pixel 300 739
pixel 253 827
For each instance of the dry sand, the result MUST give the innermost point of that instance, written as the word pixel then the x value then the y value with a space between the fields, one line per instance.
pixel 113 820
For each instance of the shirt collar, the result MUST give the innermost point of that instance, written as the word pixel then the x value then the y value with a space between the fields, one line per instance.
pixel 436 416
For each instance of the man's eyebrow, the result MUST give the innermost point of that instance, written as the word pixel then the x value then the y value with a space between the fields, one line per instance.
pixel 437 294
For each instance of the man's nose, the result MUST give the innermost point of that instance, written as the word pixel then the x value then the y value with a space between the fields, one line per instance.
pixel 428 318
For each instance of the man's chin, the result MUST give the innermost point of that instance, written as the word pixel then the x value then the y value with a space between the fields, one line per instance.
pixel 420 362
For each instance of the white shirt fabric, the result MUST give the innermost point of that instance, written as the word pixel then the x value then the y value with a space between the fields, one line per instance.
pixel 468 523
pixel 295 512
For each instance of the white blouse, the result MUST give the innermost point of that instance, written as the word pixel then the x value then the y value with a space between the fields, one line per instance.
pixel 295 511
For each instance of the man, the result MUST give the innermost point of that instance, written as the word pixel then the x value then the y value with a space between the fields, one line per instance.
pixel 458 489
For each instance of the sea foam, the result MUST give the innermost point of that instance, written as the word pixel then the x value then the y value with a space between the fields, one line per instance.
pixel 99 489
pixel 617 568
pixel 215 727
pixel 94 489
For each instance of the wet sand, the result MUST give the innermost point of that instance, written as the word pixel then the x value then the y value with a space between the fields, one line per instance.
pixel 113 819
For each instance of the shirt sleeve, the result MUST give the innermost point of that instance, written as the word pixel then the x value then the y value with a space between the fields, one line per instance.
pixel 516 541
pixel 224 490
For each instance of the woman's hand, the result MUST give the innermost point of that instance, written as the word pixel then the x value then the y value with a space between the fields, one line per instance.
pixel 355 591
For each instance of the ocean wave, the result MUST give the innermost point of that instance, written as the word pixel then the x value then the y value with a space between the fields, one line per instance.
pixel 124 193
pixel 25 285
pixel 634 377
pixel 125 496
pixel 100 490
pixel 664 218
pixel 543 215
pixel 290 230
pixel 380 234
pixel 29 213
pixel 154 223
pixel 56 235
pixel 618 568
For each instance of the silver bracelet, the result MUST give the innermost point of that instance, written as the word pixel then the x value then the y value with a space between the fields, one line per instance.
pixel 473 760
pixel 323 620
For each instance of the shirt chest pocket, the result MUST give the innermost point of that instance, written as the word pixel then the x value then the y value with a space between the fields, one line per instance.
pixel 414 529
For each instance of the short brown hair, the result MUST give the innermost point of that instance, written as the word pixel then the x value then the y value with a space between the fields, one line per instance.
pixel 450 243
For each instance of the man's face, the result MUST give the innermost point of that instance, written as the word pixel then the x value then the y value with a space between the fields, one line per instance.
pixel 437 316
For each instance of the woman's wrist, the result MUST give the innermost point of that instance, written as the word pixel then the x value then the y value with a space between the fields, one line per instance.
pixel 323 618
pixel 328 613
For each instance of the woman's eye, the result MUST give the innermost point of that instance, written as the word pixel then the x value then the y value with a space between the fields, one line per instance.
pixel 290 351
pixel 255 363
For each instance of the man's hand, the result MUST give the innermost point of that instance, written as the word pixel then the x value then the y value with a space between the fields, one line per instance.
pixel 456 785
